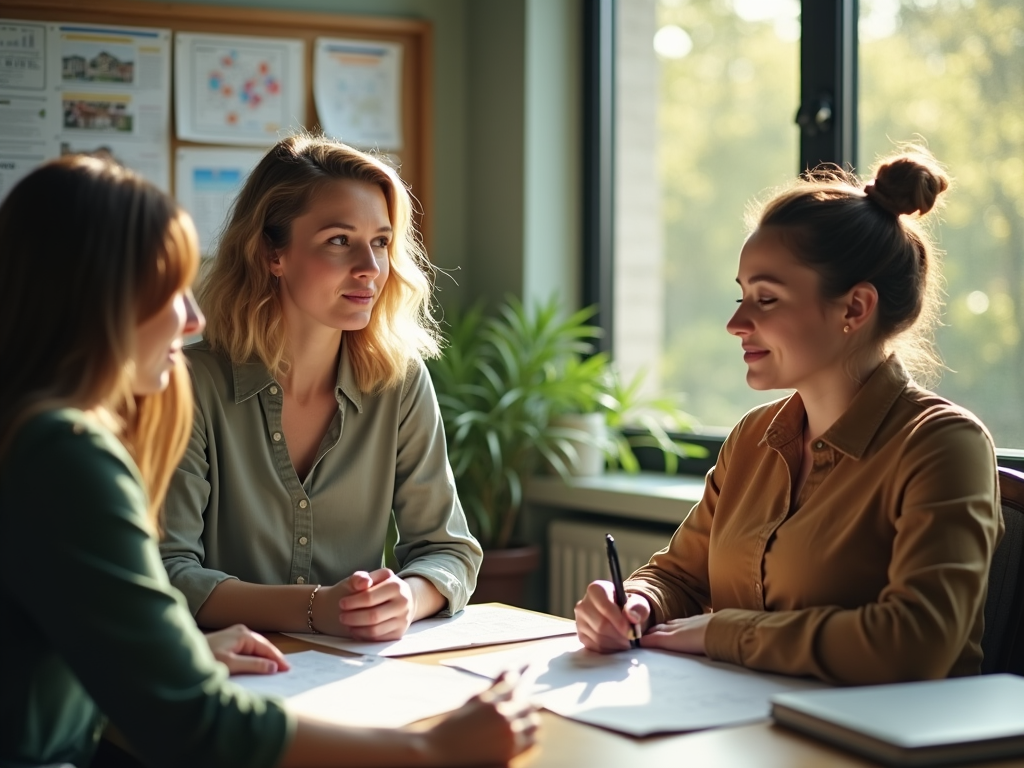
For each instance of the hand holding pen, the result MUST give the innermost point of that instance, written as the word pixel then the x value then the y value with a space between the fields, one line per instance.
pixel 607 619
pixel 620 592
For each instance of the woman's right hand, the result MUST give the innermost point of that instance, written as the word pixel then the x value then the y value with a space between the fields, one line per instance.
pixel 491 728
pixel 601 625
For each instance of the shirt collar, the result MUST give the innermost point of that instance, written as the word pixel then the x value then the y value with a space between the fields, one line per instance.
pixel 854 430
pixel 252 377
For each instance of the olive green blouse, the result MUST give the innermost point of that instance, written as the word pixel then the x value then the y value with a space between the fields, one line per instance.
pixel 876 573
pixel 99 627
pixel 237 509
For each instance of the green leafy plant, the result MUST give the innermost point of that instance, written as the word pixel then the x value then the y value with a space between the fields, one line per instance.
pixel 500 382
pixel 636 420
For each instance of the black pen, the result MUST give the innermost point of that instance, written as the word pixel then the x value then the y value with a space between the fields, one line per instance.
pixel 620 592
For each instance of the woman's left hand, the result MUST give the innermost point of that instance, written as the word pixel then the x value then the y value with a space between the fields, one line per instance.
pixel 381 607
pixel 680 635
pixel 245 652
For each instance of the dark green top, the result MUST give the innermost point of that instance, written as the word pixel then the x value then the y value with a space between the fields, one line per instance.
pixel 91 623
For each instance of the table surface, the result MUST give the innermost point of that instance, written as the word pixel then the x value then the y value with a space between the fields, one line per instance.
pixel 563 742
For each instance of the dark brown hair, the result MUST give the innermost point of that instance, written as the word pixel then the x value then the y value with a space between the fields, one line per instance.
pixel 88 250
pixel 850 233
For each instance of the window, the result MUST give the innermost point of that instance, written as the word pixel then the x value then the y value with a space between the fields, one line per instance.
pixel 705 95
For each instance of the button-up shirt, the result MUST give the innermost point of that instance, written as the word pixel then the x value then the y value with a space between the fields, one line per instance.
pixel 876 573
pixel 237 509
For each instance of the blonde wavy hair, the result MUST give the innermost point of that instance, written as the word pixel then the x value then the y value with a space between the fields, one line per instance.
pixel 90 251
pixel 240 299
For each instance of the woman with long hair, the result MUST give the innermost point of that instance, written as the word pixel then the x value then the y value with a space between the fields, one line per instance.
pixel 95 268
pixel 317 430
pixel 846 530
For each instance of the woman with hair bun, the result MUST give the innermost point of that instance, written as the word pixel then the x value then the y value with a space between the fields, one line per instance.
pixel 846 530
pixel 316 422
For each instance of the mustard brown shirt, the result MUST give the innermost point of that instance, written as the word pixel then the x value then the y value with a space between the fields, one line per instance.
pixel 237 509
pixel 878 574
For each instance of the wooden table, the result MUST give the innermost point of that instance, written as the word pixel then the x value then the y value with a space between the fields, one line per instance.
pixel 563 743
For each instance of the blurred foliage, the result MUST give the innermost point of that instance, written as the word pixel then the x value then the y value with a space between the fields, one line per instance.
pixel 946 72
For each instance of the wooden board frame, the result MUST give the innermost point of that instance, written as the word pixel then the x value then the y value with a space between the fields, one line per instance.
pixel 415 35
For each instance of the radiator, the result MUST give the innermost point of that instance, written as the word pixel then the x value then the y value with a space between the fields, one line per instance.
pixel 577 556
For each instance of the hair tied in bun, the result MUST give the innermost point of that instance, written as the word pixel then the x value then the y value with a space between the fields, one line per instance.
pixel 879 198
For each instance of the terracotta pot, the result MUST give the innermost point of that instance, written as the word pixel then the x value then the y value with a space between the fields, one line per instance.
pixel 504 573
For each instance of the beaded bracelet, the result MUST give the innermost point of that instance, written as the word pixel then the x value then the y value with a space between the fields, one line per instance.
pixel 309 612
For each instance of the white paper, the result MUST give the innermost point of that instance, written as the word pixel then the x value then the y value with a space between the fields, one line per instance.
pixel 206 182
pixel 639 692
pixel 476 625
pixel 238 90
pixel 357 85
pixel 29 99
pixel 115 95
pixel 365 691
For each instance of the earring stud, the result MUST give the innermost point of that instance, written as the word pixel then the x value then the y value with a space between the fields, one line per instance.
pixel 846 329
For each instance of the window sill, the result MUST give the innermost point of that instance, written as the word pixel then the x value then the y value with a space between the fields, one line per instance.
pixel 648 496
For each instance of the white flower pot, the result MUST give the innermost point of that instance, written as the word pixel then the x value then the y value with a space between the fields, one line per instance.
pixel 590 458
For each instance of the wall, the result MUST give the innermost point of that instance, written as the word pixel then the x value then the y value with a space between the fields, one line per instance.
pixel 506 214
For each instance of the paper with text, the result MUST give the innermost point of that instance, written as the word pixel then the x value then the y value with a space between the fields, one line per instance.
pixel 366 691
pixel 476 625
pixel 639 692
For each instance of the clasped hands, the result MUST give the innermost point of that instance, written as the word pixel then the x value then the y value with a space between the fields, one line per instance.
pixel 603 627
pixel 372 606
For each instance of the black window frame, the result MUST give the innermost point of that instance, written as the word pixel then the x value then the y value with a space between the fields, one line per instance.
pixel 826 117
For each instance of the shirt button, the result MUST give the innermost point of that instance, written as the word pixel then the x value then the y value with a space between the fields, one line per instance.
pixel 300 580
pixel 303 540
pixel 273 390
pixel 819 445
pixel 277 437
pixel 303 504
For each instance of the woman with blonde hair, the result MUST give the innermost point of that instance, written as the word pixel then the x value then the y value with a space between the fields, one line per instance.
pixel 94 415
pixel 316 422
pixel 846 530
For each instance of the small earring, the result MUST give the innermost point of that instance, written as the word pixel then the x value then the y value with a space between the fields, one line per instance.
pixel 846 329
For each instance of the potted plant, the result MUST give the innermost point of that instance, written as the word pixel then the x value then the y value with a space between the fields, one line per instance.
pixel 500 384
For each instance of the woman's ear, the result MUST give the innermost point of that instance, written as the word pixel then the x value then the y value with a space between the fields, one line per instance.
pixel 273 257
pixel 860 304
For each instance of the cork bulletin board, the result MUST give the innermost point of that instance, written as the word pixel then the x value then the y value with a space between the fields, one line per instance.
pixel 414 157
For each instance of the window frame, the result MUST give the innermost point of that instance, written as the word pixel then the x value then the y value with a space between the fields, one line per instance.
pixel 828 78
